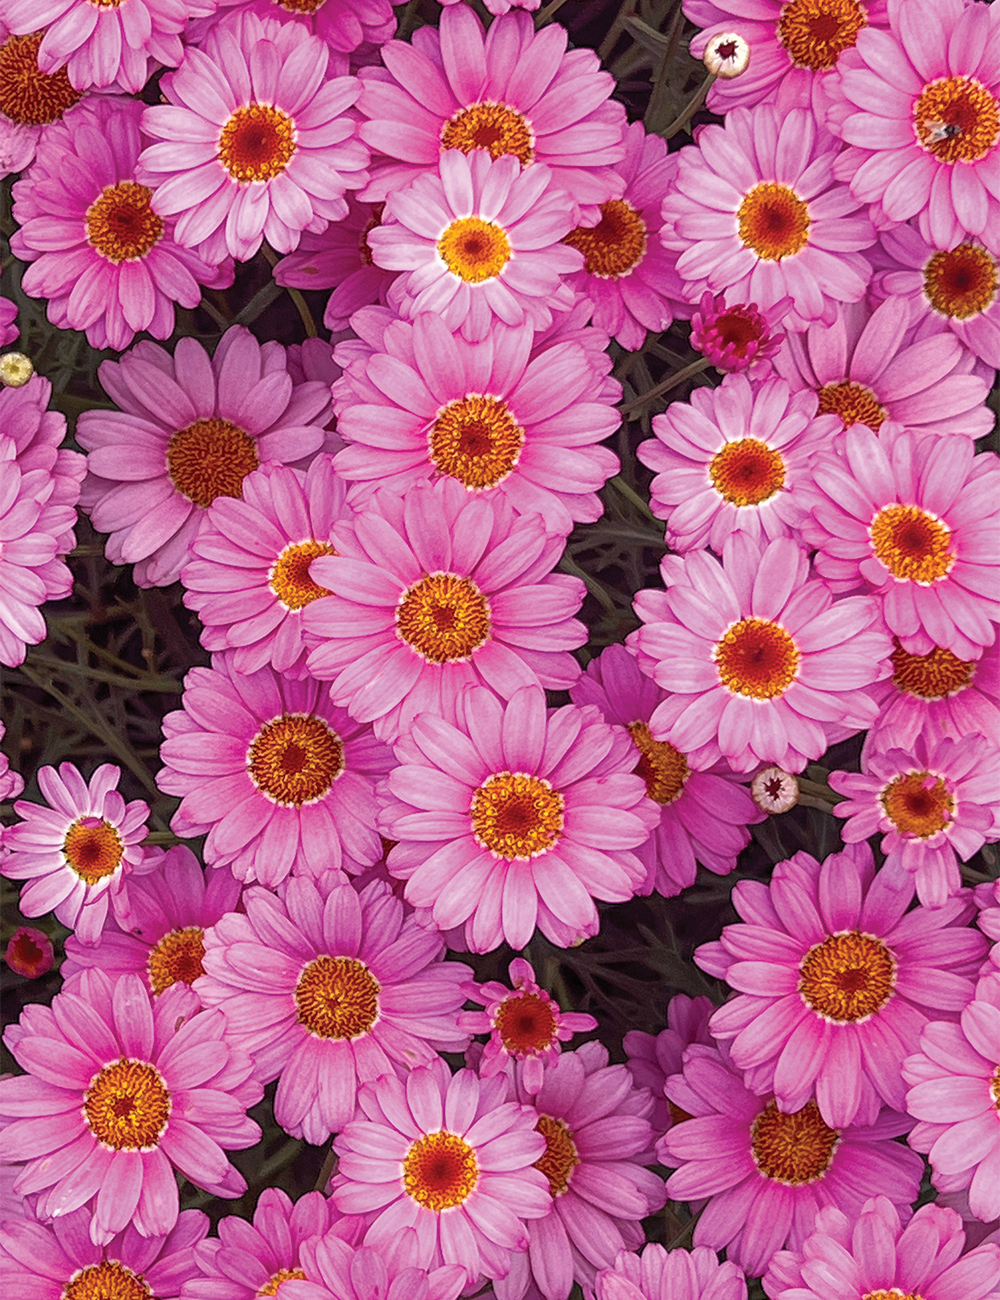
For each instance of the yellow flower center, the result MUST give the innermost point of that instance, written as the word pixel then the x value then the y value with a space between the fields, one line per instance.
pixel 615 245
pixel 476 440
pixel 816 32
pixel 444 618
pixel 440 1171
pixel 664 768
pixel 854 403
pixel 29 96
pixel 109 1280
pixel 757 658
pixel 270 1287
pixel 337 997
pixel 847 977
pixel 747 472
pixel 295 759
pixel 525 1024
pixel 127 1106
pixel 289 577
pixel 961 283
pixel 913 544
pixel 257 143
pixel 210 459
pixel 773 221
pixel 918 804
pixel 93 849
pixel 957 119
pixel 893 1293
pixel 793 1149
pixel 177 958
pixel 494 127
pixel 560 1158
pixel 121 225
pixel 474 250
pixel 517 816
pixel 301 7
pixel 932 676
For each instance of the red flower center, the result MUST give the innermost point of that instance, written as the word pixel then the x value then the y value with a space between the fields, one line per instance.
pixel 816 32
pixel 847 977
pixel 495 127
pixel 517 816
pixel 295 759
pixel 793 1149
pixel 774 221
pixel 918 804
pixel 664 768
pixel 127 1106
pixel 477 440
pixel 747 472
pixel 932 676
pixel 28 95
pixel 913 545
pixel 210 459
pixel 93 849
pixel 961 283
pixel 525 1024
pixel 120 223
pixel 854 403
pixel 257 143
pixel 444 618
pixel 757 658
pixel 440 1171
pixel 957 119
pixel 337 997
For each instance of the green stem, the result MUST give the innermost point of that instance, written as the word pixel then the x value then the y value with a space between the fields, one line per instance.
pixel 326 1173
pixel 597 589
pixel 631 495
pixel 550 10
pixel 688 111
pixel 672 381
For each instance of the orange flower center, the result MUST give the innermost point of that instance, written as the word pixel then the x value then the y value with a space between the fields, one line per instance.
pixel 961 283
pixel 93 849
pixel 560 1158
pixel 847 977
pixel 615 245
pixel 127 1106
pixel 757 658
pixel 893 1293
pixel 300 7
pixel 516 816
pixel 918 804
pixel 270 1287
pixel 854 403
pixel 440 1171
pixel 474 250
pixel 289 576
pixel 932 676
pixel 773 221
pixel 995 1088
pixel 109 1280
pixel 29 96
pixel 793 1149
pixel 816 32
pixel 121 225
pixel 913 544
pixel 177 958
pixel 337 997
pixel 476 440
pixel 295 759
pixel 444 618
pixel 661 766
pixel 257 143
pixel 747 472
pixel 525 1024
pixel 957 119
pixel 210 459
pixel 491 126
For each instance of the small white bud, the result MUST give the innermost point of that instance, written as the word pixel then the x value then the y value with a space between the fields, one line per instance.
pixel 727 56
pixel 15 369
pixel 774 790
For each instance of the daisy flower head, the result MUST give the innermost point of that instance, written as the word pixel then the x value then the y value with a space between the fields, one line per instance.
pixel 481 241
pixel 435 592
pixel 874 1254
pixel 256 140
pixel 11 783
pixel 515 817
pixel 953 1094
pixel 654 1274
pixel 934 804
pixel 759 657
pixel 514 92
pixel 106 262
pixel 867 367
pixel 79 851
pixel 337 1270
pixel 188 429
pixel 834 978
pixel 918 104
pixel 249 576
pixel 653 1058
pixel 449 1156
pixel 766 1174
pixel 170 910
pixel 703 816
pixel 914 521
pixel 740 336
pixel 120 1091
pixel 757 214
pixel 277 776
pixel 499 417
pixel 30 101
pixel 524 1025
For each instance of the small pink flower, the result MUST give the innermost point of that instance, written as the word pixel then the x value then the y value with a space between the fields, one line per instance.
pixel 29 952
pixel 654 1274
pixel 652 1059
pixel 11 783
pixel 740 336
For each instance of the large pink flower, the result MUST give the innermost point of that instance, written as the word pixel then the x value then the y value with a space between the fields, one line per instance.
pixel 760 659
pixel 435 592
pixel 491 415
pixel 834 980
pixel 120 1091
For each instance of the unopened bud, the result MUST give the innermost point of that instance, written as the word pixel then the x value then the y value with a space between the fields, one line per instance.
pixel 29 952
pixel 775 790
pixel 15 369
pixel 727 56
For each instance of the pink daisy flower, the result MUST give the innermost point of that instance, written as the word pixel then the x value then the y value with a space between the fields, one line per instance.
pixel 354 989
pixel 703 816
pixel 738 337
pixel 189 430
pixel 597 1141
pixel 342 24
pixel 767 1174
pixel 338 1271
pixel 761 660
pixel 873 1254
pixel 56 1261
pixel 435 592
pixel 257 140
pixel 32 100
pixel 730 460
pixel 29 952
pixel 680 1275
pixel 481 241
pixel 106 262
pixel 525 1025
pixel 519 816
pixel 277 777
pixel 628 276
pixel 119 1092
pixel 340 259
pixel 38 435
pixel 914 520
pixel 919 106
pixel 171 908
pixel 448 1156
pixel 8 315
pixel 249 578
pixel 490 415
pixel 834 979
pixel 653 1058
pixel 953 1093
pixel 79 851
pixel 866 368
pixel 757 213
pixel 514 91
pixel 987 897
pixel 933 804
pixel 104 45
pixel 11 783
